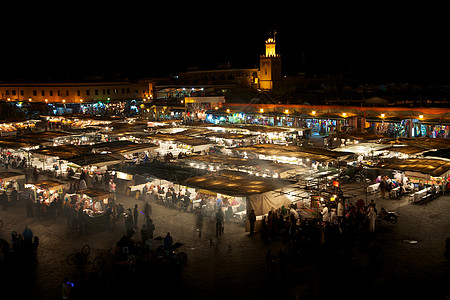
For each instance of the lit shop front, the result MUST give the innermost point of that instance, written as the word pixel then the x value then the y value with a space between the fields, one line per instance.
pixel 93 201
pixel 10 180
pixel 46 190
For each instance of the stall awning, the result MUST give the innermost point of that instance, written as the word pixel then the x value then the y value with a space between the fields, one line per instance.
pixel 62 151
pixel 6 176
pixel 433 167
pixel 313 154
pixel 96 194
pixel 96 159
pixel 123 147
pixel 51 185
pixel 234 183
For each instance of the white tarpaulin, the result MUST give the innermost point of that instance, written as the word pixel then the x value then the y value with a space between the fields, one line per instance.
pixel 263 203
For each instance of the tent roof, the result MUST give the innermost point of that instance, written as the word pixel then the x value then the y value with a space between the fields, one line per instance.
pixel 237 161
pixel 62 151
pixel 123 147
pixel 231 183
pixel 235 183
pixel 433 167
pixel 407 149
pixel 48 184
pixel 424 142
pixel 95 193
pixel 96 159
pixel 315 154
pixel 441 153
pixel 362 148
pixel 11 176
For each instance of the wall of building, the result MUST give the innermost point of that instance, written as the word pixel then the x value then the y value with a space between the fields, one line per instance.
pixel 76 92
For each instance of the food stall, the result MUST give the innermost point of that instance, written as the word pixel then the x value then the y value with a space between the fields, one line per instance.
pixel 7 130
pixel 47 189
pixel 176 143
pixel 94 203
pixel 238 193
pixel 8 180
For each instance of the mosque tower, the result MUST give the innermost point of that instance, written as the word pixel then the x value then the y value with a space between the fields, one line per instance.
pixel 269 65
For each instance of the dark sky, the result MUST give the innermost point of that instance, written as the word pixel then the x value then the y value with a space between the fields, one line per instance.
pixel 142 40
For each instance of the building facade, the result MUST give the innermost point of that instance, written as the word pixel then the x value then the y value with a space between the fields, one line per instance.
pixel 76 92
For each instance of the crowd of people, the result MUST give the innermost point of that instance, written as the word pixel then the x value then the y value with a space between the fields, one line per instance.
pixel 333 221
pixel 22 245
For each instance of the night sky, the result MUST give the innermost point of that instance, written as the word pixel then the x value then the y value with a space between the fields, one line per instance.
pixel 378 41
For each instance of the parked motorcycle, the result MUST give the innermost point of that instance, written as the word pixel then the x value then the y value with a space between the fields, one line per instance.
pixel 390 216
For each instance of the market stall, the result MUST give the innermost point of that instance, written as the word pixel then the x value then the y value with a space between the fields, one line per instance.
pixel 94 203
pixel 10 180
pixel 7 129
pixel 176 143
pixel 237 192
pixel 257 167
pixel 46 190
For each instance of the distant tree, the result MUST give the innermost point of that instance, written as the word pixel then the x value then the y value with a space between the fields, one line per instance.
pixel 9 110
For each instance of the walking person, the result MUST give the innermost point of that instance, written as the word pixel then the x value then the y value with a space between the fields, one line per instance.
pixel 147 210
pixel 35 174
pixel 340 211
pixel 168 241
pixel 150 228
pixel 5 200
pixel 372 216
pixel 29 206
pixel 135 215
pixel 14 196
pixel 129 223
pixel 38 207
pixel 219 222
pixel 252 220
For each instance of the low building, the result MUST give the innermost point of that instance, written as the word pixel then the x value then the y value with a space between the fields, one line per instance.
pixel 76 92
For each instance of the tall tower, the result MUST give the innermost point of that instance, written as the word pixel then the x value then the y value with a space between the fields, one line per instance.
pixel 269 66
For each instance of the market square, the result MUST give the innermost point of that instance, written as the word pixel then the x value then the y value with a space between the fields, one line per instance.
pixel 247 182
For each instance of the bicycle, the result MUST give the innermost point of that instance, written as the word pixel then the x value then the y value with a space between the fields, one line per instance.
pixel 101 261
pixel 79 258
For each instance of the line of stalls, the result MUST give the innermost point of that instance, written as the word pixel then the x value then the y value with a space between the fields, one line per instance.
pixel 93 202
pixel 229 136
pixel 429 176
pixel 42 149
pixel 235 193
pixel 246 183
pixel 319 177
pixel 420 165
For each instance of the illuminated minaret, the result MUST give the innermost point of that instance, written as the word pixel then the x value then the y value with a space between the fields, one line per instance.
pixel 269 65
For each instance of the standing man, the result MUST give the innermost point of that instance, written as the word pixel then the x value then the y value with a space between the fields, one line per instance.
pixel 5 200
pixel 219 222
pixel 135 215
pixel 14 196
pixel 29 205
pixel 252 220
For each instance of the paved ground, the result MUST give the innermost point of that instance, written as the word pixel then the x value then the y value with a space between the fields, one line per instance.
pixel 234 265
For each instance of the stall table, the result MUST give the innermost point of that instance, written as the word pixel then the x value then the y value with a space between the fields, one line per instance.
pixel 373 188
